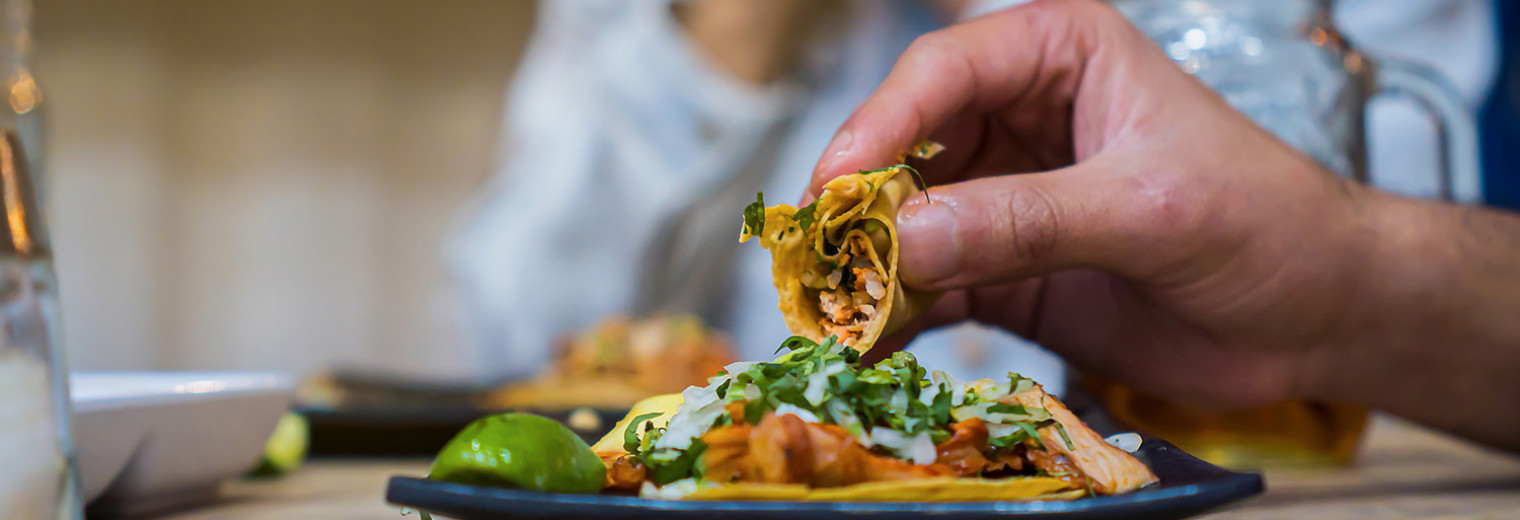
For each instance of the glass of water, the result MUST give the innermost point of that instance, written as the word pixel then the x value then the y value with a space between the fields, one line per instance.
pixel 37 468
pixel 1285 64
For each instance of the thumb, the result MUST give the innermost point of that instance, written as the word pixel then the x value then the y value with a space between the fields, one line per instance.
pixel 996 230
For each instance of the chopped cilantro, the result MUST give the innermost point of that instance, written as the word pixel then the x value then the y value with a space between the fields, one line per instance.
pixel 795 343
pixel 921 184
pixel 631 434
pixel 805 216
pixel 1009 408
pixel 1010 440
pixel 1061 429
pixel 889 395
pixel 940 409
pixel 682 465
pixel 754 216
pixel 1032 433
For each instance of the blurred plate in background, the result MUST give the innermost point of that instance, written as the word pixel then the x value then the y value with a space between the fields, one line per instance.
pixel 353 413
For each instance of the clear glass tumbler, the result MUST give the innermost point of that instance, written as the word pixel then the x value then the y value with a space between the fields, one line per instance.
pixel 37 469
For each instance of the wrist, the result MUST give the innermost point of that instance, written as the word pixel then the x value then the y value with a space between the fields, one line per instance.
pixel 1389 262
pixel 1430 331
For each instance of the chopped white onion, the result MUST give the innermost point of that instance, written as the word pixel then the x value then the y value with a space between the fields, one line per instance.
pixel 838 347
pixel 873 285
pixel 790 409
pixel 1129 442
pixel 995 430
pixel 992 392
pixel 700 407
pixel 957 390
pixel 978 410
pixel 842 415
pixel 818 383
pixel 921 450
pixel 738 367
pixel 673 491
pixel 899 402
pixel 928 394
pixel 887 438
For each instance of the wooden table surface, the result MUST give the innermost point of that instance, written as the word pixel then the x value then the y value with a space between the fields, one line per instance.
pixel 1404 472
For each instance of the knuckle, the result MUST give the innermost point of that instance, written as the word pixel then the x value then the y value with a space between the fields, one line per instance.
pixel 1167 206
pixel 1053 10
pixel 1031 225
pixel 1091 18
pixel 928 44
pixel 932 54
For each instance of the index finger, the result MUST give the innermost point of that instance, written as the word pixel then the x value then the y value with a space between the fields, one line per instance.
pixel 1029 52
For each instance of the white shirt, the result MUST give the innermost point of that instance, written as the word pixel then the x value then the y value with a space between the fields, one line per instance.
pixel 627 159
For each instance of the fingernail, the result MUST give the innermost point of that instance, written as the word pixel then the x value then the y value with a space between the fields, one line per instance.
pixel 931 249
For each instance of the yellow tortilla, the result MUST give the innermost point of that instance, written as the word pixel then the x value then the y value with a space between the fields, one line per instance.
pixel 848 203
pixel 947 489
pixel 665 405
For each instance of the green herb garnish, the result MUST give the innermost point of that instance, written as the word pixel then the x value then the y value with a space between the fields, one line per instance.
pixel 1031 432
pixel 631 433
pixel 1061 429
pixel 795 343
pixel 921 184
pixel 754 216
pixel 825 379
pixel 665 468
pixel 1010 409
pixel 805 216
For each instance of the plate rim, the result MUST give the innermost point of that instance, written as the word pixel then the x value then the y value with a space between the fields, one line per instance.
pixel 1187 498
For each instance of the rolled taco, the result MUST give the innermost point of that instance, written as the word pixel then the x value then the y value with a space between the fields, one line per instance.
pixel 814 425
pixel 834 261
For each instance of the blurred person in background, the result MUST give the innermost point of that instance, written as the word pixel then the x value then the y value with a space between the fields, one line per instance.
pixel 636 131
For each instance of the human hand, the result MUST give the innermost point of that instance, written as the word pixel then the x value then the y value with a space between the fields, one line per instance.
pixel 1097 200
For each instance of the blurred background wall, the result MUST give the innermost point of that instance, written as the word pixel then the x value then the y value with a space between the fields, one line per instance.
pixel 264 185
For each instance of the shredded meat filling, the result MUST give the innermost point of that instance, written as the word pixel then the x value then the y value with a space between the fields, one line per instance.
pixel 962 452
pixel 849 308
pixel 783 449
pixel 1056 464
pixel 624 472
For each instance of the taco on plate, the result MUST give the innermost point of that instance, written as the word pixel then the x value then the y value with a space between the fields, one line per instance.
pixel 814 425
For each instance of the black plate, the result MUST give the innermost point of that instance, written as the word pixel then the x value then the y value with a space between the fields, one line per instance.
pixel 1188 486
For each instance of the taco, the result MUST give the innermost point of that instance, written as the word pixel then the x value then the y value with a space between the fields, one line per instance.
pixel 814 425
pixel 620 359
pixel 834 261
